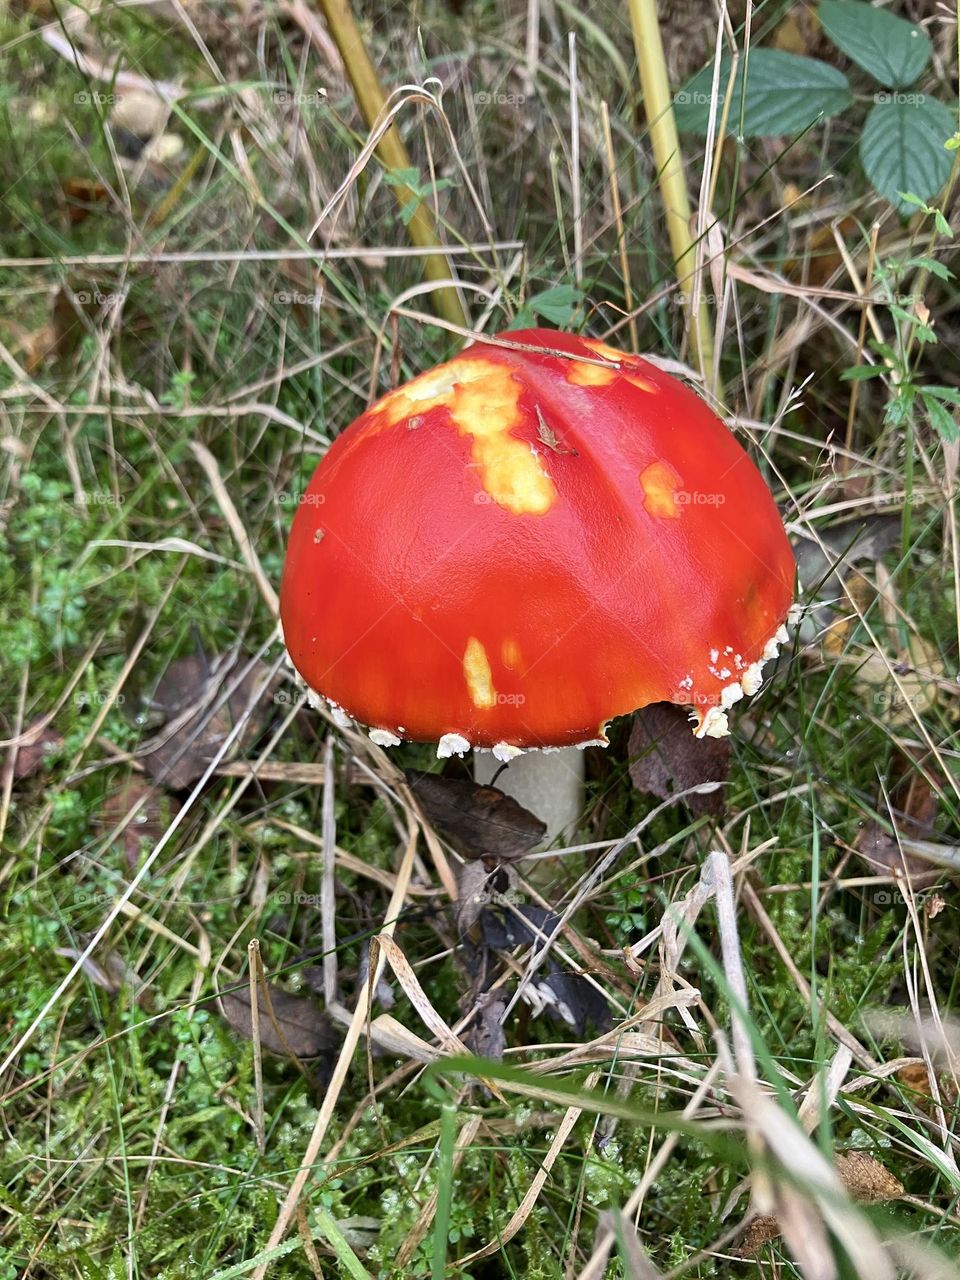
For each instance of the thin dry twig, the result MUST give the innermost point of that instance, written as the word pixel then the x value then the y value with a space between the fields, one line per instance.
pixel 254 972
pixel 237 527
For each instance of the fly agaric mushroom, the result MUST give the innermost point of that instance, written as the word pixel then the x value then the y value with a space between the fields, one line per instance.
pixel 526 541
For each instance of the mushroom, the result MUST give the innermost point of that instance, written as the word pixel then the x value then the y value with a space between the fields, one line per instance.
pixel 524 542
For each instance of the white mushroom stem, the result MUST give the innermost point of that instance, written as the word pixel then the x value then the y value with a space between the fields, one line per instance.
pixel 548 783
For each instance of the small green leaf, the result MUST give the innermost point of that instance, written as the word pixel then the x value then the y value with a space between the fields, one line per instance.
pixel 885 351
pixel 861 372
pixel 893 50
pixel 784 94
pixel 950 394
pixel 403 178
pixel 899 411
pixel 932 265
pixel 409 208
pixel 939 221
pixel 902 151
pixel 556 306
pixel 942 420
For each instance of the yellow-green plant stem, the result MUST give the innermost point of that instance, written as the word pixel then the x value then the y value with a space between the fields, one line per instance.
pixel 658 108
pixel 371 99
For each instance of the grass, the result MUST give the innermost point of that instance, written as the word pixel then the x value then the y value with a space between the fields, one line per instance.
pixel 130 1141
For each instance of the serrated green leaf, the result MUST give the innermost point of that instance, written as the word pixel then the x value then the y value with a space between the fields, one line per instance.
pixel 941 418
pixel 784 94
pixel 932 265
pixel 950 394
pixel 902 150
pixel 893 50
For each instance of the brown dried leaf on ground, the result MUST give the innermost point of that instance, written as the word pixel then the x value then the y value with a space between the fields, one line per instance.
pixel 149 822
pixel 826 561
pixel 757 1231
pixel 187 697
pixel 480 822
pixel 899 690
pixel 105 969
pixel 916 1080
pixel 487 1038
pixel 666 758
pixel 38 740
pixel 60 337
pixel 915 806
pixel 81 196
pixel 864 1177
pixel 867 1180
pixel 882 853
pixel 477 888
pixel 301 1027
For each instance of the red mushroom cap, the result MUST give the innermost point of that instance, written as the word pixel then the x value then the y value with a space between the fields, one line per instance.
pixel 531 539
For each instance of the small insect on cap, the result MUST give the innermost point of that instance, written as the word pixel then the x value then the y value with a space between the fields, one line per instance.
pixel 528 540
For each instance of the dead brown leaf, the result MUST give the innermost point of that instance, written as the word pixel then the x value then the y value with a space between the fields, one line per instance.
pixel 487 1038
pixel 297 1027
pixel 195 726
pixel 480 822
pixel 867 1180
pixel 666 758
pixel 82 195
pixel 882 853
pixel 477 888
pixel 915 806
pixel 148 823
pixel 106 970
pixel 911 690
pixel 823 260
pixel 863 1176
pixel 39 740
pixel 916 1079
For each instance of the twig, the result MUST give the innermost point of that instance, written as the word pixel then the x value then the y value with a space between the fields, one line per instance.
pixel 328 907
pixel 372 102
pixel 717 872
pixel 253 972
pixel 618 222
pixel 236 525
pixel 861 334
pixel 352 253
pixel 669 161
pixel 575 161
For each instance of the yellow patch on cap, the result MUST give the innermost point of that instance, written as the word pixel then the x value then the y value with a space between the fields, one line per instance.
pixel 434 386
pixel 483 400
pixel 582 374
pixel 510 653
pixel 659 483
pixel 479 677
pixel 604 351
